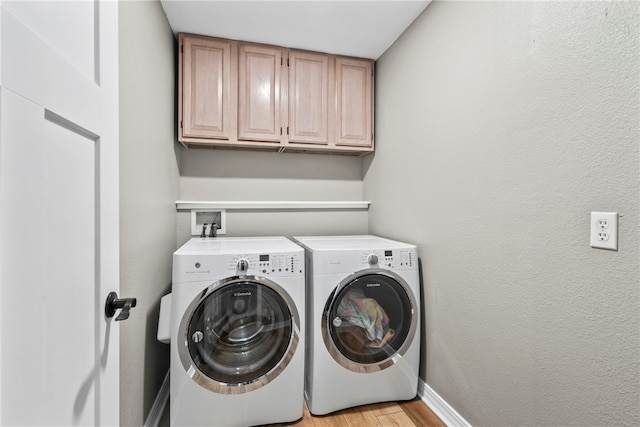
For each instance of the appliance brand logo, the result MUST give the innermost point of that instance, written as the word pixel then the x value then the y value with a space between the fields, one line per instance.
pixel 241 294
pixel 373 285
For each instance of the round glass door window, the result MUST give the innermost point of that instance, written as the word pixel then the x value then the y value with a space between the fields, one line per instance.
pixel 239 335
pixel 368 319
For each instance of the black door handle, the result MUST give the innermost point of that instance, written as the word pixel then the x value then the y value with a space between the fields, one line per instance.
pixel 114 303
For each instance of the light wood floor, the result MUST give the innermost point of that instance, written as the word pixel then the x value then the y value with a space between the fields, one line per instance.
pixel 400 414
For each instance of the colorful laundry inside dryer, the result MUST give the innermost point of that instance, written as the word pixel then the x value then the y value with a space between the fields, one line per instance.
pixel 359 310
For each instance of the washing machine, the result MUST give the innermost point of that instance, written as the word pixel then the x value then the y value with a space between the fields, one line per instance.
pixel 363 321
pixel 234 321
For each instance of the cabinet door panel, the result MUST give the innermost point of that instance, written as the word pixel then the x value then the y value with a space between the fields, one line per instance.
pixel 207 72
pixel 308 97
pixel 354 95
pixel 259 93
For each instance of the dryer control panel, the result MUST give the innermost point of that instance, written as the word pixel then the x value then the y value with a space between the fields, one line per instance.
pixel 389 258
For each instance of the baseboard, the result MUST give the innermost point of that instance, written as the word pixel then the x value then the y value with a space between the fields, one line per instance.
pixel 159 405
pixel 440 407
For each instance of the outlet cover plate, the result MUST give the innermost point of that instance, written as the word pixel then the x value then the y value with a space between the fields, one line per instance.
pixel 604 230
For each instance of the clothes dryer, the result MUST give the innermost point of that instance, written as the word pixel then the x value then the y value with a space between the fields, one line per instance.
pixel 236 317
pixel 363 321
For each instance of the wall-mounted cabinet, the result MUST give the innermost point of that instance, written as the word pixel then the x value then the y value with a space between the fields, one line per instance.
pixel 354 102
pixel 308 100
pixel 260 93
pixel 206 104
pixel 244 95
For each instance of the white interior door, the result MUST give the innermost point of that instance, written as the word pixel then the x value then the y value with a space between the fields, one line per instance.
pixel 59 353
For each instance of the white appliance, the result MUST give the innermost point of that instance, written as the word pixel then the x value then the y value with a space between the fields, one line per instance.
pixel 237 310
pixel 363 315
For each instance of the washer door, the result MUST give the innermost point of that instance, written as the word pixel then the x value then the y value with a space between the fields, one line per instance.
pixel 239 334
pixel 369 320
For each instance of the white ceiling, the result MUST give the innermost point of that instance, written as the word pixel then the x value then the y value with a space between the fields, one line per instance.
pixel 353 28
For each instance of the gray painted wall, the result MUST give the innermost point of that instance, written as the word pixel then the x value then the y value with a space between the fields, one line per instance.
pixel 258 176
pixel 148 190
pixel 155 171
pixel 496 123
pixel 499 127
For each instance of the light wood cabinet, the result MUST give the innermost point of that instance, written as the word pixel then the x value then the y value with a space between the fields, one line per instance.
pixel 308 98
pixel 259 100
pixel 354 102
pixel 206 93
pixel 246 95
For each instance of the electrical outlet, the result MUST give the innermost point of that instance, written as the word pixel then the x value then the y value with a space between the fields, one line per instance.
pixel 199 217
pixel 604 230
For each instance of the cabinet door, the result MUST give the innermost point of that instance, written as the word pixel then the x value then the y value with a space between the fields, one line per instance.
pixel 206 68
pixel 354 102
pixel 259 87
pixel 308 97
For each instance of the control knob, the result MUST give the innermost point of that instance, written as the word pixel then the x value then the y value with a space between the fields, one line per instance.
pixel 372 259
pixel 243 265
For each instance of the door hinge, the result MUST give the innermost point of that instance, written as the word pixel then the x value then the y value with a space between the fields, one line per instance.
pixel 181 126
pixel 287 62
pixel 280 130
pixel 287 130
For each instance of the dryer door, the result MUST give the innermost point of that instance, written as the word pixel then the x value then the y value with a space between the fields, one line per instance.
pixel 369 320
pixel 239 334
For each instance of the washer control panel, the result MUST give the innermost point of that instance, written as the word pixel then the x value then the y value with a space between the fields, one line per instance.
pixel 278 264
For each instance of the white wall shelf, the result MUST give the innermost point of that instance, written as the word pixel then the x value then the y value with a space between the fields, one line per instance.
pixel 273 205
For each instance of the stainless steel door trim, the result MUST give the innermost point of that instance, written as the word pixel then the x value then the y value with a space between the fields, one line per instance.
pixel 211 384
pixel 394 356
